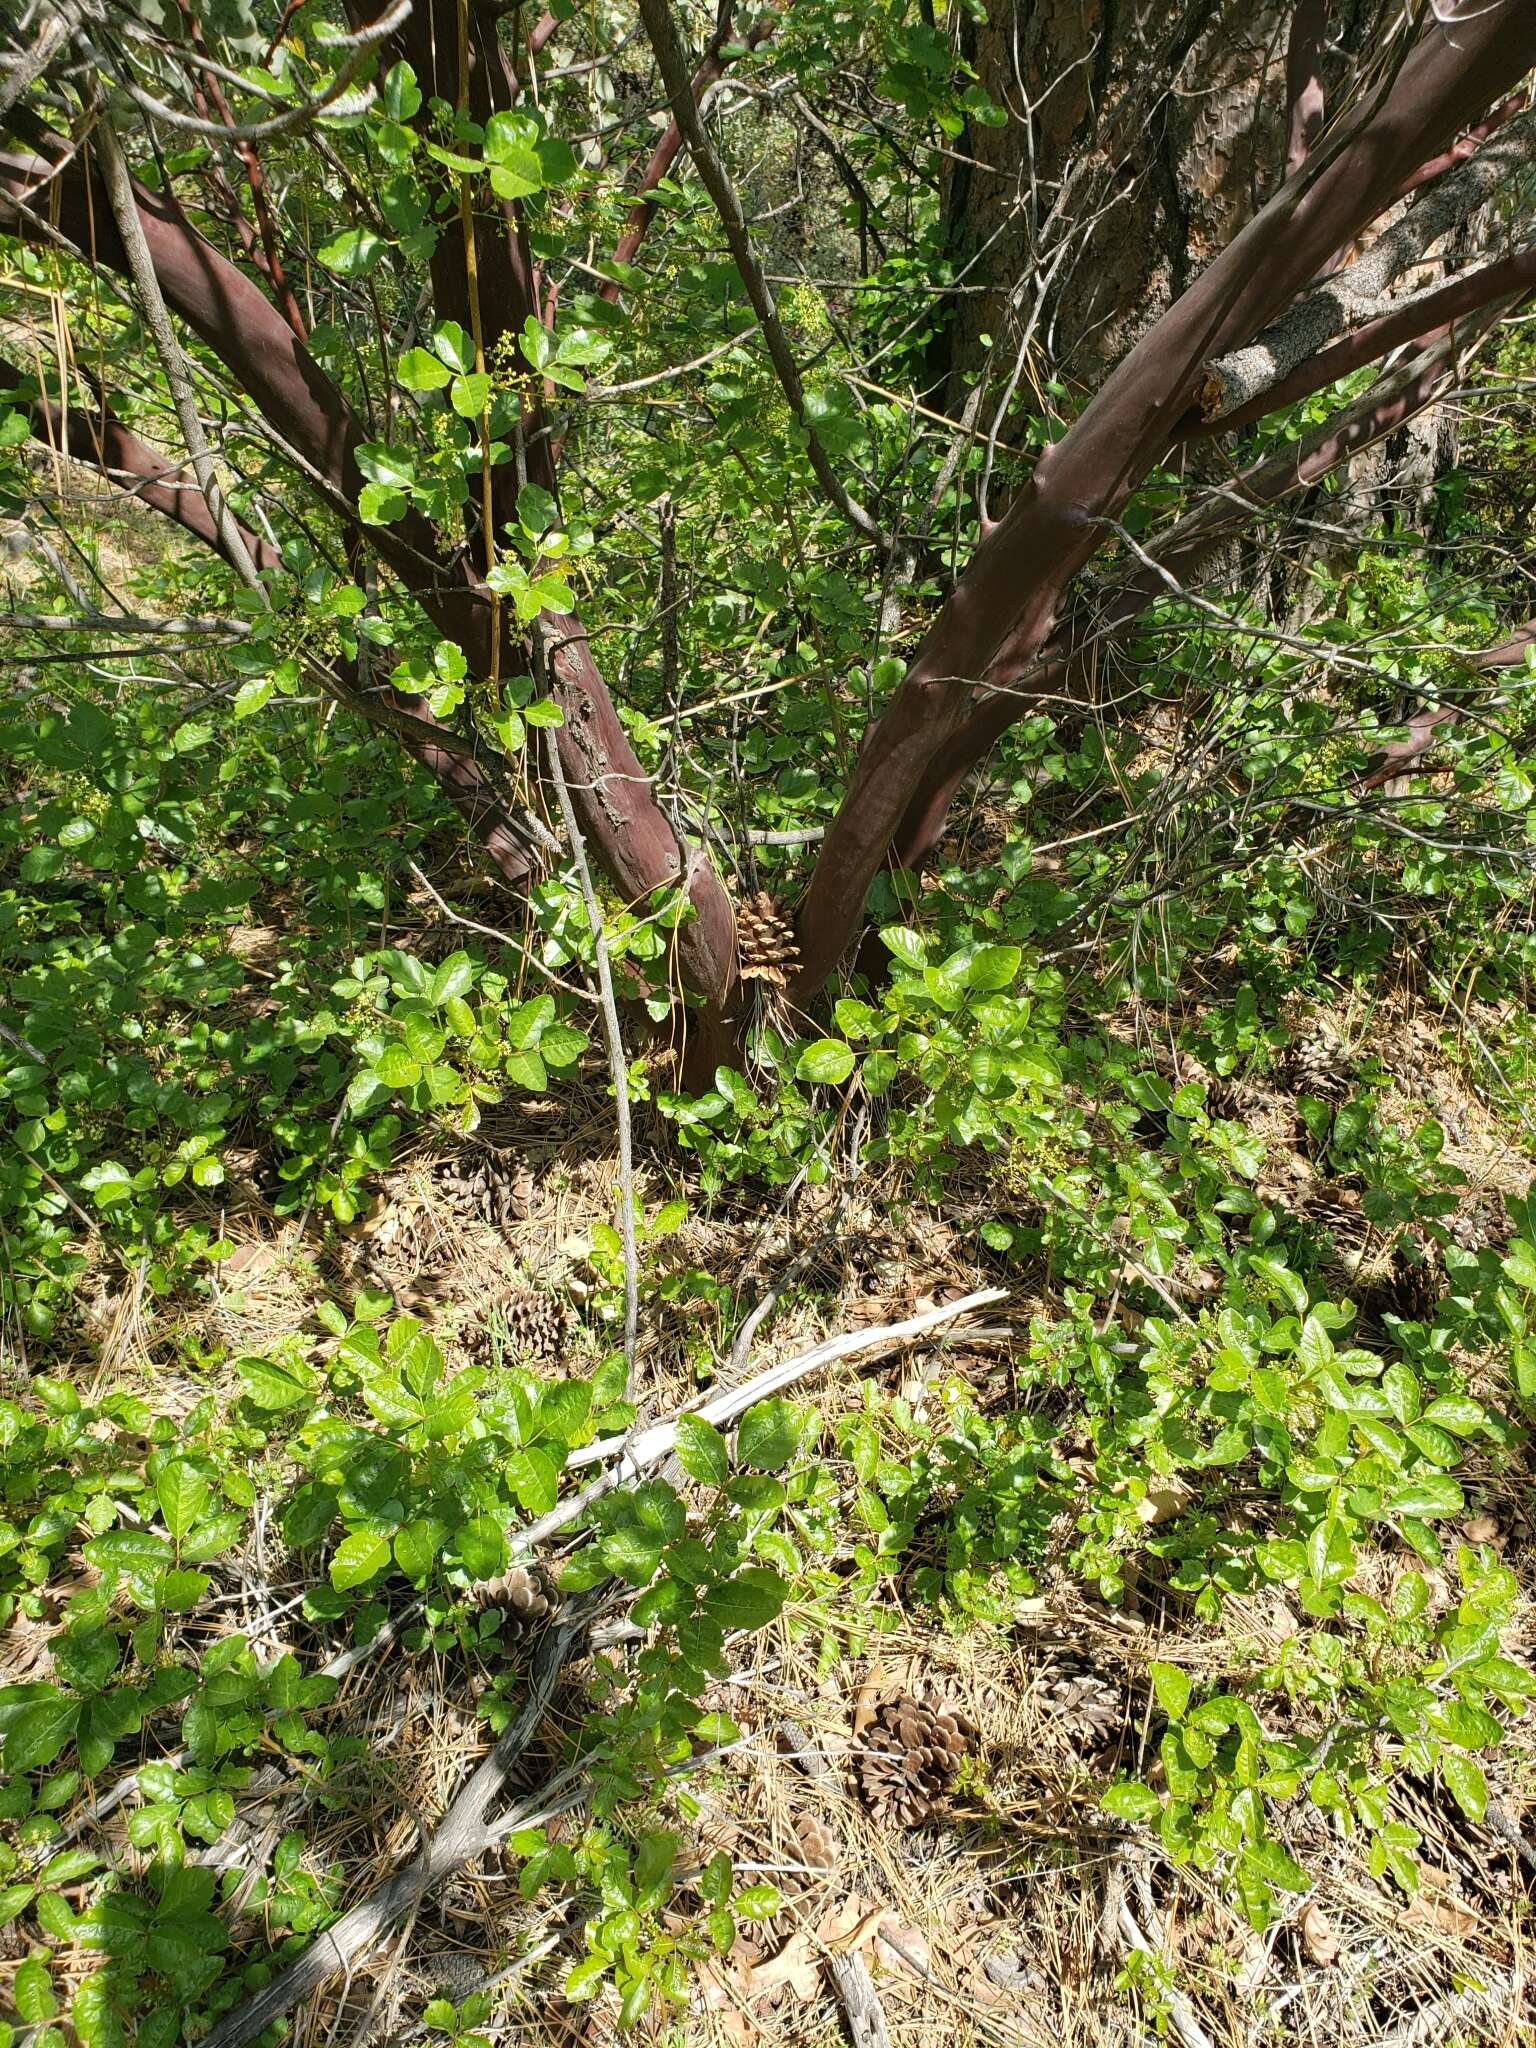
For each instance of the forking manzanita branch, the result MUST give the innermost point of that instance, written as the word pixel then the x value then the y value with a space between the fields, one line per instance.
pixel 1012 591
pixel 1006 605
pixel 1357 294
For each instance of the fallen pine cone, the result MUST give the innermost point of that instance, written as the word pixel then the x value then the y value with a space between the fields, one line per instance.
pixel 1087 1704
pixel 909 1758
pixel 819 1845
pixel 530 1325
pixel 525 1593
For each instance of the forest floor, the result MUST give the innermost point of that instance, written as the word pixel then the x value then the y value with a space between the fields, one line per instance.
pixel 1018 1911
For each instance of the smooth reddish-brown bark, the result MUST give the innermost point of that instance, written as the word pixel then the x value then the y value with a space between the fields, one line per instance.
pixel 1430 720
pixel 997 644
pixel 1012 590
pixel 1304 81
pixel 1066 666
pixel 626 828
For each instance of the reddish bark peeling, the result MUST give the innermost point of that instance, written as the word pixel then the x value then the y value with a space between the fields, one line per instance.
pixel 1010 594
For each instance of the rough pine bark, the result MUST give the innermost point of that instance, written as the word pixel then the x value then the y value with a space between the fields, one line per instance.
pixel 1140 138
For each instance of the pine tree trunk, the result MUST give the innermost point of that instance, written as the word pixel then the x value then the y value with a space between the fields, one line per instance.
pixel 1140 138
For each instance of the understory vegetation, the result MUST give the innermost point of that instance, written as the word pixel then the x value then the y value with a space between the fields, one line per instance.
pixel 623 1452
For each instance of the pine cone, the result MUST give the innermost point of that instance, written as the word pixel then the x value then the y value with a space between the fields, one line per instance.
pixel 1410 1284
pixel 419 1293
pixel 1088 1705
pixel 1226 1100
pixel 1319 1063
pixel 481 1190
pixel 819 1845
pixel 1336 1212
pixel 1483 1223
pixel 910 1756
pixel 530 1325
pixel 526 1595
pixel 765 941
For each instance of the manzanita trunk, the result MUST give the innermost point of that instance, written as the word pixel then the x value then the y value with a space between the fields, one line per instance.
pixel 1006 604
pixel 1170 184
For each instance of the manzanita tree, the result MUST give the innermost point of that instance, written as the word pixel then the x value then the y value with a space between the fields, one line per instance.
pixel 354 296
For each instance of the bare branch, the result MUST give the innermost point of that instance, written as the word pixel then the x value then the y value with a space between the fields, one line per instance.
pixel 1466 145
pixel 461 1833
pixel 618 1070
pixel 360 45
pixel 1016 681
pixel 1417 318
pixel 673 65
pixel 711 69
pixel 1428 722
pixel 1358 293
pixel 32 63
pixel 1011 593
pixel 178 379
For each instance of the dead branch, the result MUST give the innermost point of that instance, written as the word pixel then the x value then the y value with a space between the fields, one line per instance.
pixel 32 63
pixel 1418 318
pixel 849 1973
pixel 462 1833
pixel 1359 293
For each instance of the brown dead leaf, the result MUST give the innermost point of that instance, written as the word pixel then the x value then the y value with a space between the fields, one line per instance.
pixel 249 1259
pixel 849 1924
pixel 1163 1503
pixel 840 1920
pixel 860 1922
pixel 1438 1908
pixel 939 1294
pixel 1319 1943
pixel 796 1966
pixel 1484 1529
pixel 713 1987
pixel 868 1699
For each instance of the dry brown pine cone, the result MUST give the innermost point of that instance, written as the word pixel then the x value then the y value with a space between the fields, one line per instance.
pixel 525 1593
pixel 765 941
pixel 909 1758
pixel 1482 1221
pixel 483 1189
pixel 1339 1213
pixel 1085 1702
pixel 1409 1284
pixel 819 1845
pixel 1319 1063
pixel 529 1325
pixel 1225 1098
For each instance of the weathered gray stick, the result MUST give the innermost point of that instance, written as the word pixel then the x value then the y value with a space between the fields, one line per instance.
pixel 32 63
pixel 629 1457
pixel 465 1829
pixel 462 1833
pixel 1358 293
pixel 178 377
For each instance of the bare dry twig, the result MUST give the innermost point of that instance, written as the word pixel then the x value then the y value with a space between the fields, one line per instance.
pixel 464 1831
